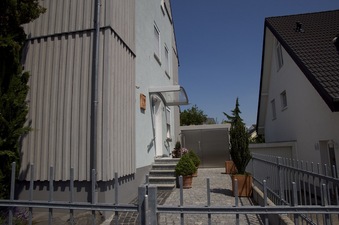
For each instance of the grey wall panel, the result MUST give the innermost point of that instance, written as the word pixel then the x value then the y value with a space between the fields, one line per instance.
pixel 60 101
pixel 77 15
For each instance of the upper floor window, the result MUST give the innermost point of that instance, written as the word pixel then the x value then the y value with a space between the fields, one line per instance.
pixel 157 42
pixel 280 60
pixel 274 112
pixel 166 60
pixel 283 99
pixel 162 6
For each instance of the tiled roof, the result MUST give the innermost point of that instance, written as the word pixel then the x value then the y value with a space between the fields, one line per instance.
pixel 312 49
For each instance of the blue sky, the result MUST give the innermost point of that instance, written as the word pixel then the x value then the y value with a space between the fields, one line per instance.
pixel 220 48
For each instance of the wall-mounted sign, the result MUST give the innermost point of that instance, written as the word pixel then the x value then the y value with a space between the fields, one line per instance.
pixel 143 101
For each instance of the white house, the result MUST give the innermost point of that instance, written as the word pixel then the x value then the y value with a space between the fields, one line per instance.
pixel 104 94
pixel 299 87
pixel 156 82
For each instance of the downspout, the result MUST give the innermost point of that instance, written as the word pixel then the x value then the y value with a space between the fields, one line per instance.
pixel 94 93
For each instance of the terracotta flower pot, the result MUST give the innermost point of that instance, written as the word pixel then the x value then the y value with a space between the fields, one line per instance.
pixel 230 167
pixel 187 182
pixel 244 184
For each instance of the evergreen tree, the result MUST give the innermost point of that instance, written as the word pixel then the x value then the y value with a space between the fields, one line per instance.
pixel 239 150
pixel 13 83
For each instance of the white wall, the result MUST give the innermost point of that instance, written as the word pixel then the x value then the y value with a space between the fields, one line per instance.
pixel 149 73
pixel 306 120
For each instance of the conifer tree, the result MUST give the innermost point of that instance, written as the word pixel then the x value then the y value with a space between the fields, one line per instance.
pixel 239 150
pixel 13 83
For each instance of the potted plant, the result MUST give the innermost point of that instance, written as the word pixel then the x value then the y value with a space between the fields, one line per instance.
pixel 176 151
pixel 240 152
pixel 230 167
pixel 185 167
pixel 195 160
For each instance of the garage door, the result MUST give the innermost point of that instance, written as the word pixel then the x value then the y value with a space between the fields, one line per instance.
pixel 211 145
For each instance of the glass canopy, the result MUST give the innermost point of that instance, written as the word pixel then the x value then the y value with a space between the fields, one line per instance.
pixel 171 95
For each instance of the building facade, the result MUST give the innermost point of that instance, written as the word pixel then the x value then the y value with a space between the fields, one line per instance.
pixel 299 85
pixel 110 126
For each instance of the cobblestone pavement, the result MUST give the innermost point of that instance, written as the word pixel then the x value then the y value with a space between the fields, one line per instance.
pixel 221 195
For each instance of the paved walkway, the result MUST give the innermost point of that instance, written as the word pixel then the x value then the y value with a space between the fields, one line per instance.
pixel 221 195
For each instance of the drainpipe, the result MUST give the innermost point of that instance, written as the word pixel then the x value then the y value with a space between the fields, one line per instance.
pixel 94 91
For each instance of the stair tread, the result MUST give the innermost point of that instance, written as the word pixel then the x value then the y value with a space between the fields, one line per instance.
pixel 164 178
pixel 165 185
pixel 164 164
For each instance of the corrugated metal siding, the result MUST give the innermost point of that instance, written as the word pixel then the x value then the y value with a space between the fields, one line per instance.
pixel 63 16
pixel 60 95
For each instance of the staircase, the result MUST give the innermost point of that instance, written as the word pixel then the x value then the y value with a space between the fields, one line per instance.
pixel 162 173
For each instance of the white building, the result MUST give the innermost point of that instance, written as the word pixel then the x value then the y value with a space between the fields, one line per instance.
pixel 135 119
pixel 299 87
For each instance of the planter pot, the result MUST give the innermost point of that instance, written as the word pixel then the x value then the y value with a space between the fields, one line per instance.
pixel 230 167
pixel 244 184
pixel 187 181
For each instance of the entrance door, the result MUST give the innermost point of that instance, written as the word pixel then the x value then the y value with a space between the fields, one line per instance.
pixel 158 125
pixel 327 155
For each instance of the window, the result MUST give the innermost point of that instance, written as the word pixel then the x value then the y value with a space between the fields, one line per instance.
pixel 156 43
pixel 283 99
pixel 280 60
pixel 274 113
pixel 166 61
pixel 168 122
pixel 162 6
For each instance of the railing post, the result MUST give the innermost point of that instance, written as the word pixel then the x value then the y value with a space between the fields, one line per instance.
pixel 265 200
pixel 152 204
pixel 93 189
pixel 116 196
pixel 324 202
pixel 11 195
pixel 50 195
pixel 236 200
pixel 253 167
pixel 71 187
pixel 280 179
pixel 141 204
pixel 208 199
pixel 147 179
pixel 295 202
pixel 181 199
pixel 31 186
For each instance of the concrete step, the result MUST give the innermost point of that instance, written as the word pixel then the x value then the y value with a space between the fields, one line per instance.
pixel 166 186
pixel 162 173
pixel 162 180
pixel 157 166
pixel 166 160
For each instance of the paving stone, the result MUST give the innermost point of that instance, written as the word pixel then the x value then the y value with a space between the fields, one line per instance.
pixel 220 195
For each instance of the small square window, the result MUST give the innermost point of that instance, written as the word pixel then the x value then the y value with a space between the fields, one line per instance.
pixel 283 99
pixel 274 112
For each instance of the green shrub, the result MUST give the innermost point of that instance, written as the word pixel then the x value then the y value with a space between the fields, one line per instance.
pixel 185 166
pixel 194 158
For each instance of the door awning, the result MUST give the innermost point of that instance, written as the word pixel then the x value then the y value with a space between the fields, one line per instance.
pixel 171 95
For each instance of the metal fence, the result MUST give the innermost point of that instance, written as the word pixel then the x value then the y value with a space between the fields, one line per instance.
pixel 313 185
pixel 286 185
